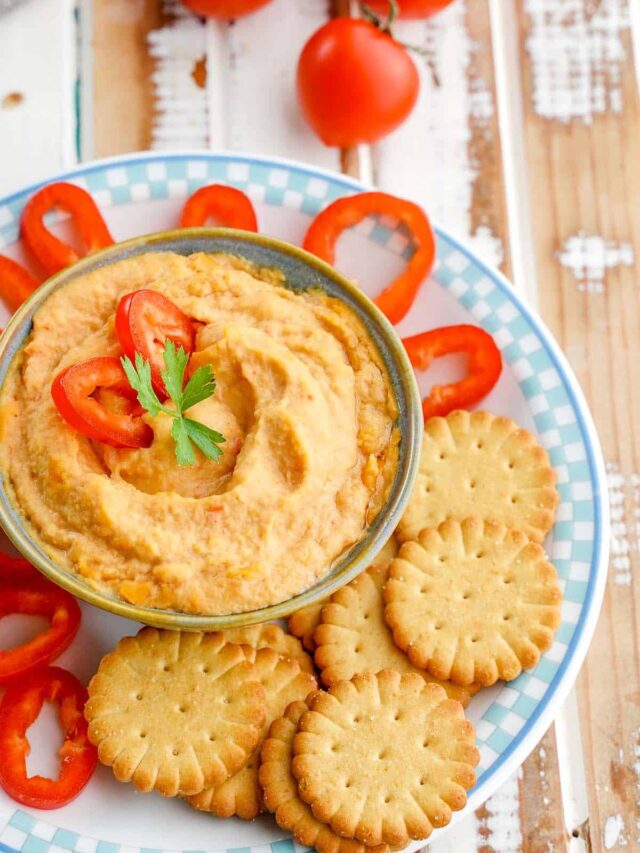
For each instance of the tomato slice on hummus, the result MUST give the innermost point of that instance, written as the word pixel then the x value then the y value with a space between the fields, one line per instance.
pixel 73 392
pixel 144 321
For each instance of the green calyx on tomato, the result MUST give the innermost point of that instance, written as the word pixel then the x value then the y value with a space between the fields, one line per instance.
pixel 415 9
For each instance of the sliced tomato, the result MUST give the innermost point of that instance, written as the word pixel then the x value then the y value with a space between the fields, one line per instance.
pixel 72 391
pixel 145 319
pixel 20 707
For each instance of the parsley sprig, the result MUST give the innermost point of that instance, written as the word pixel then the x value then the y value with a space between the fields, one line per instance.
pixel 185 431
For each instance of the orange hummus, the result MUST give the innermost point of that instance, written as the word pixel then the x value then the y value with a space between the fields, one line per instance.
pixel 311 445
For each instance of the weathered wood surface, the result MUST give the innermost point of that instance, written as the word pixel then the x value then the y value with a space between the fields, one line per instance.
pixel 564 219
pixel 583 151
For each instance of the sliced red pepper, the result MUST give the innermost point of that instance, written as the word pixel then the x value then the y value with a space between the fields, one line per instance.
pixel 16 569
pixel 20 707
pixel 227 205
pixel 483 370
pixel 16 283
pixel 53 253
pixel 145 319
pixel 396 300
pixel 72 391
pixel 37 597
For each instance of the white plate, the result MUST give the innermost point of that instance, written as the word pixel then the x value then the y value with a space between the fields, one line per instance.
pixel 144 193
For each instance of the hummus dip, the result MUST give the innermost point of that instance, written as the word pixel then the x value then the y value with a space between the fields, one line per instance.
pixel 303 401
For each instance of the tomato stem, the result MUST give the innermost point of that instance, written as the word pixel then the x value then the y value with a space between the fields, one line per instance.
pixel 384 25
pixel 381 23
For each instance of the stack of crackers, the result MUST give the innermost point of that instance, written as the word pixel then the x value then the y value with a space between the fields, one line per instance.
pixel 469 596
pixel 463 595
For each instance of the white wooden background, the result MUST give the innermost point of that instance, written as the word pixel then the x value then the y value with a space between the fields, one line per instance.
pixel 526 143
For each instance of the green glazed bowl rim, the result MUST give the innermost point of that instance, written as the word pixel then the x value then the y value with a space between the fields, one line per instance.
pixel 350 563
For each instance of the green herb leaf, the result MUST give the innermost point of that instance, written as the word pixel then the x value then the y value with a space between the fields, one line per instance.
pixel 204 438
pixel 140 380
pixel 173 376
pixel 186 432
pixel 184 450
pixel 201 386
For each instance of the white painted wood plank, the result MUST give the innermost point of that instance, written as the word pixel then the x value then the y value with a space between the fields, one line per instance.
pixel 573 784
pixel 185 114
pixel 462 838
pixel 504 30
pixel 37 62
pixel 264 115
pixel 427 158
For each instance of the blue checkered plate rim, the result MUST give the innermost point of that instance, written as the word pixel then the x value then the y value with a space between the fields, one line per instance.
pixel 521 711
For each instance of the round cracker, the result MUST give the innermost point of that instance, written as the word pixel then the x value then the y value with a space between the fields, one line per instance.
pixel 284 682
pixel 473 602
pixel 173 712
pixel 384 757
pixel 304 622
pixel 478 464
pixel 270 636
pixel 353 637
pixel 280 790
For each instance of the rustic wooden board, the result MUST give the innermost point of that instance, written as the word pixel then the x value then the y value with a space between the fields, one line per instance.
pixel 581 173
pixel 37 92
pixel 582 116
pixel 448 157
pixel 122 90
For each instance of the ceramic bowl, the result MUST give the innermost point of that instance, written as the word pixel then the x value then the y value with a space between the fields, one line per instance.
pixel 302 271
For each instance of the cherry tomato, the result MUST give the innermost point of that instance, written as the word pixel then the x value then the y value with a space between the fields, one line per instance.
pixel 72 391
pixel 144 321
pixel 355 83
pixel 225 9
pixel 411 8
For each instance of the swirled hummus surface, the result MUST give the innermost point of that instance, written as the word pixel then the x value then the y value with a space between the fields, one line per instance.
pixel 302 398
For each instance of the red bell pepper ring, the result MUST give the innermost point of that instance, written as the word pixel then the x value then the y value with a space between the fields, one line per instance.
pixel 20 707
pixel 396 300
pixel 16 569
pixel 145 319
pixel 37 597
pixel 51 252
pixel 72 391
pixel 483 370
pixel 16 283
pixel 229 206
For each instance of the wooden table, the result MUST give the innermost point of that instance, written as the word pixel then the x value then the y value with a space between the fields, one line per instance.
pixel 526 143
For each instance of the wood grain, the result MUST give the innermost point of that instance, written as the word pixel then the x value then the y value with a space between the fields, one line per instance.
pixel 584 180
pixel 421 143
pixel 123 103
pixel 541 799
pixel 488 203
